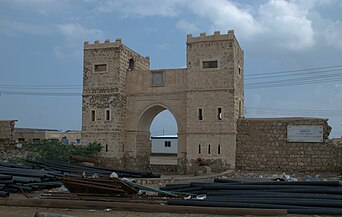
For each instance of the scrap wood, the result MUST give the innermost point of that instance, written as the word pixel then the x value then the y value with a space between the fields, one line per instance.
pixel 97 185
pixel 136 207
pixel 101 197
pixel 47 214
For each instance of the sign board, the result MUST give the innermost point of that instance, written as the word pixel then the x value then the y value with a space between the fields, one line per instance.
pixel 305 133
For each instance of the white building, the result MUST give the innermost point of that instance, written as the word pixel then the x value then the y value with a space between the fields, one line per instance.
pixel 166 144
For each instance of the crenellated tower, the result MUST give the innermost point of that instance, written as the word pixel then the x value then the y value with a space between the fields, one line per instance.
pixel 215 98
pixel 104 93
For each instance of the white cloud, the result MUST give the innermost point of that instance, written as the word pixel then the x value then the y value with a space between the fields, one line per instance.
pixel 286 25
pixel 226 15
pixel 141 8
pixel 187 26
pixel 333 34
pixel 75 32
pixel 278 23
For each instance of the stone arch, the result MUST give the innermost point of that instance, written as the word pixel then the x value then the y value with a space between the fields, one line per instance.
pixel 143 123
pixel 150 112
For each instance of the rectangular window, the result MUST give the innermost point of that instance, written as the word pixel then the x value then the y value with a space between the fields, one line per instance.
pixel 209 149
pixel 35 140
pixel 219 149
pixel 108 118
pixel 199 149
pixel 167 144
pixel 106 148
pixel 200 115
pixel 100 67
pixel 219 113
pixel 210 64
pixel 239 70
pixel 157 79
pixel 78 141
pixel 93 115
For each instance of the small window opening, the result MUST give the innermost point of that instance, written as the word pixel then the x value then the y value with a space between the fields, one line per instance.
pixel 21 140
pixel 240 108
pixel 199 149
pixel 106 147
pixel 239 70
pixel 93 114
pixel 219 113
pixel 107 115
pixel 167 144
pixel 100 67
pixel 131 64
pixel 209 149
pixel 219 149
pixel 200 114
pixel 210 64
pixel 157 78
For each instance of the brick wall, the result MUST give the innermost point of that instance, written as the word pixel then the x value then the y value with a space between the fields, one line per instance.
pixel 262 145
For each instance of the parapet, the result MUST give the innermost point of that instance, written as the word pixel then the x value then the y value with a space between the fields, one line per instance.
pixel 106 44
pixel 217 36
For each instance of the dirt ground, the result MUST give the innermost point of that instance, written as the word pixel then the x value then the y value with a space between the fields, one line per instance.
pixel 10 211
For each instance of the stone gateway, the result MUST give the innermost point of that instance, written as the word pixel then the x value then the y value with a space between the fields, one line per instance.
pixel 121 97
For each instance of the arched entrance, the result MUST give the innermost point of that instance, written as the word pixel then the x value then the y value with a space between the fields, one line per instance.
pixel 164 140
pixel 143 135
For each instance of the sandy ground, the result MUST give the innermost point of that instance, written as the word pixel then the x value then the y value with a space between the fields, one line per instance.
pixel 10 211
pixel 163 160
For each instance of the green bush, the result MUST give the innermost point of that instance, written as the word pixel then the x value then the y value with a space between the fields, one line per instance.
pixel 56 150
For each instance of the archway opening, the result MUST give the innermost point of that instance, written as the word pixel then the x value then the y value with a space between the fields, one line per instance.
pixel 164 139
pixel 155 123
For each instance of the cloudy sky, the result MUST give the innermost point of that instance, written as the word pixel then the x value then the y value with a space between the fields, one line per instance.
pixel 293 53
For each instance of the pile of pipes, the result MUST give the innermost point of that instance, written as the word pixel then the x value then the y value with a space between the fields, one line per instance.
pixel 82 170
pixel 15 178
pixel 314 197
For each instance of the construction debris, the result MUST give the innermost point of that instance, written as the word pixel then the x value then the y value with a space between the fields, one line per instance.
pixel 297 197
pixel 77 169
pixel 14 178
pixel 110 186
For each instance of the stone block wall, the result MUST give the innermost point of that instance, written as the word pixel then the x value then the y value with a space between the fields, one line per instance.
pixel 262 145
pixel 6 134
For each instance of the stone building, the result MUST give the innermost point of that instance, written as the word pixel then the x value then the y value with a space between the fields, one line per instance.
pixel 36 135
pixel 121 97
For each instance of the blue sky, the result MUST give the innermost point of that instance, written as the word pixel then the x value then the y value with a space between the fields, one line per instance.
pixel 41 45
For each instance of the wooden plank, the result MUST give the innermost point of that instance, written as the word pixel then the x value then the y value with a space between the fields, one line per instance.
pixel 137 207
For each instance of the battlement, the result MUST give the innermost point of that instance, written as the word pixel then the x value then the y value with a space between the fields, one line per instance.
pixel 217 36
pixel 106 44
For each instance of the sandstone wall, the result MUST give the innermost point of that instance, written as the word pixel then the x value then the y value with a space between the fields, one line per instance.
pixel 6 134
pixel 262 145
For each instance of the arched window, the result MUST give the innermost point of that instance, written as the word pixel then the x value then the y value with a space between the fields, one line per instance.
pixel 131 64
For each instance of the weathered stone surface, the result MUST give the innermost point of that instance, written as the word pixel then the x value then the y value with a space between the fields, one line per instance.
pixel 7 141
pixel 125 87
pixel 262 145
